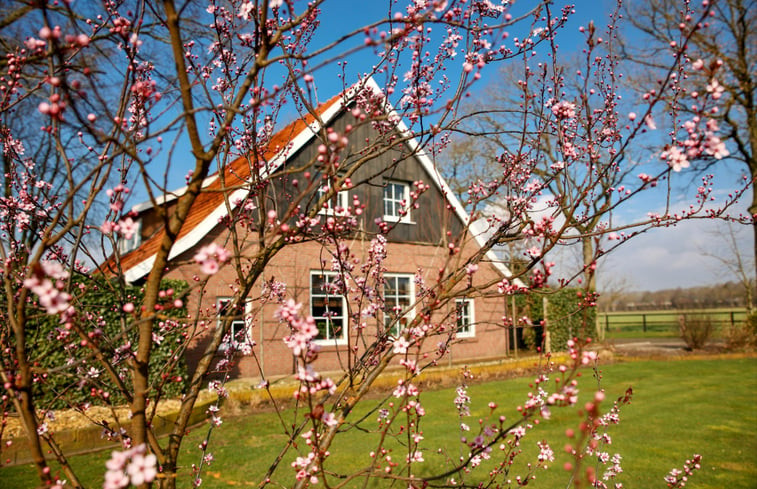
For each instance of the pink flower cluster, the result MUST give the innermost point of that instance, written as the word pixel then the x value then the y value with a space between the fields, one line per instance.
pixel 130 467
pixel 51 295
pixel 564 110
pixel 304 330
pixel 696 144
pixel 125 227
pixel 678 477
pixel 211 257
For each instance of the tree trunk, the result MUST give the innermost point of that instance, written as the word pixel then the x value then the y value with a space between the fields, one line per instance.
pixel 590 276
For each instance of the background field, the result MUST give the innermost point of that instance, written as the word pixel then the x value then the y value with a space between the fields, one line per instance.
pixel 632 324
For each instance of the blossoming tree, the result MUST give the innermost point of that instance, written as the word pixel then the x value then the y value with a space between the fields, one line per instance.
pixel 128 94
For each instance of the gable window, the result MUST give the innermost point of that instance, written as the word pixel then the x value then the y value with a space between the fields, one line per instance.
pixel 328 308
pixel 464 318
pixel 237 335
pixel 126 245
pixel 398 297
pixel 396 201
pixel 337 204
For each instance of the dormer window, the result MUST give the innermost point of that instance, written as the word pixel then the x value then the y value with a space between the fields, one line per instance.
pixel 135 239
pixel 396 201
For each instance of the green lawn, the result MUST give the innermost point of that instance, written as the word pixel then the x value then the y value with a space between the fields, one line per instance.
pixel 679 408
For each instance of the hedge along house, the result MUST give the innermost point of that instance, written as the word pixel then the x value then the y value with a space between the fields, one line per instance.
pixel 395 201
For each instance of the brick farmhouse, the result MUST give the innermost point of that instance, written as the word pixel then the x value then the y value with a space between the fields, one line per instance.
pixel 392 169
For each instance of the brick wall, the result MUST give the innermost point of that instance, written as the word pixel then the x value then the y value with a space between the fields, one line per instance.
pixel 293 266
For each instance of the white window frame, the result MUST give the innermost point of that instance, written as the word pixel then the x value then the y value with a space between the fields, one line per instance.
pixel 342 201
pixel 237 326
pixel 127 245
pixel 321 294
pixel 397 203
pixel 465 323
pixel 392 302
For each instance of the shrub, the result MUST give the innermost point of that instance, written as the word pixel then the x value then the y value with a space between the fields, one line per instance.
pixel 695 331
pixel 568 316
pixel 67 377
pixel 742 336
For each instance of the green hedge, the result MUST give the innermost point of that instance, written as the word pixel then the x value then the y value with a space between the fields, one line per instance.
pixel 62 365
pixel 568 316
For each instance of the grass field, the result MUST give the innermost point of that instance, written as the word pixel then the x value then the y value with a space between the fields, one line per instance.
pixel 679 408
pixel 634 324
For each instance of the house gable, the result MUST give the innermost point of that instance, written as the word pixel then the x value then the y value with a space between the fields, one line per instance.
pixel 405 163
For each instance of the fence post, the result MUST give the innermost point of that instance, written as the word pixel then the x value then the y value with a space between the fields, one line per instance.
pixel 545 328
pixel 644 322
pixel 515 327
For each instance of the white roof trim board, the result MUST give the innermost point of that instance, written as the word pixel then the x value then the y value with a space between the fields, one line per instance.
pixel 207 224
pixel 171 196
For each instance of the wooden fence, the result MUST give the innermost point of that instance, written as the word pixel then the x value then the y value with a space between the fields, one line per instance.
pixel 665 321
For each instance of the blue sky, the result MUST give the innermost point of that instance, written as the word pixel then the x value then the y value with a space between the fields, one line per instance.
pixel 661 258
pixel 673 257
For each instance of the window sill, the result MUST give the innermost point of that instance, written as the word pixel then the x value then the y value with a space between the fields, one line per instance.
pixel 401 220
pixel 330 343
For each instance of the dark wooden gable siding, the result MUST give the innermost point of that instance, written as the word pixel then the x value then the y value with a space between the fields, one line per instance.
pixel 394 161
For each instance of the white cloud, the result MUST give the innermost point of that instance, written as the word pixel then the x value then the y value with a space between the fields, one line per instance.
pixel 675 257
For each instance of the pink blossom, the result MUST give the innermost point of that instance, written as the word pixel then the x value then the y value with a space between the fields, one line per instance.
pixel 534 252
pixel 675 158
pixel 564 110
pixel 400 345
pixel 716 89
pixel 245 10
pixel 211 257
pixel 142 469
pixel 329 419
pixel 715 147
pixel 130 466
pixel 127 227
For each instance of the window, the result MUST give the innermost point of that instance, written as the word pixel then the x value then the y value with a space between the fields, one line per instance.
pixel 237 335
pixel 126 245
pixel 327 308
pixel 337 204
pixel 464 316
pixel 398 297
pixel 396 201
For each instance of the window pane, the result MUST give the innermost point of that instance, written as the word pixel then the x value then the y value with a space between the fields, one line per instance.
pixel 463 313
pixel 398 297
pixel 326 308
pixel 403 286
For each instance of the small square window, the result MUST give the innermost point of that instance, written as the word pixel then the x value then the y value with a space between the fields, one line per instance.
pixel 398 299
pixel 328 308
pixel 127 245
pixel 464 318
pixel 337 205
pixel 396 201
pixel 237 335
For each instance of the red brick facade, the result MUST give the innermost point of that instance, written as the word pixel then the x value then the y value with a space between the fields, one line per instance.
pixel 293 266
